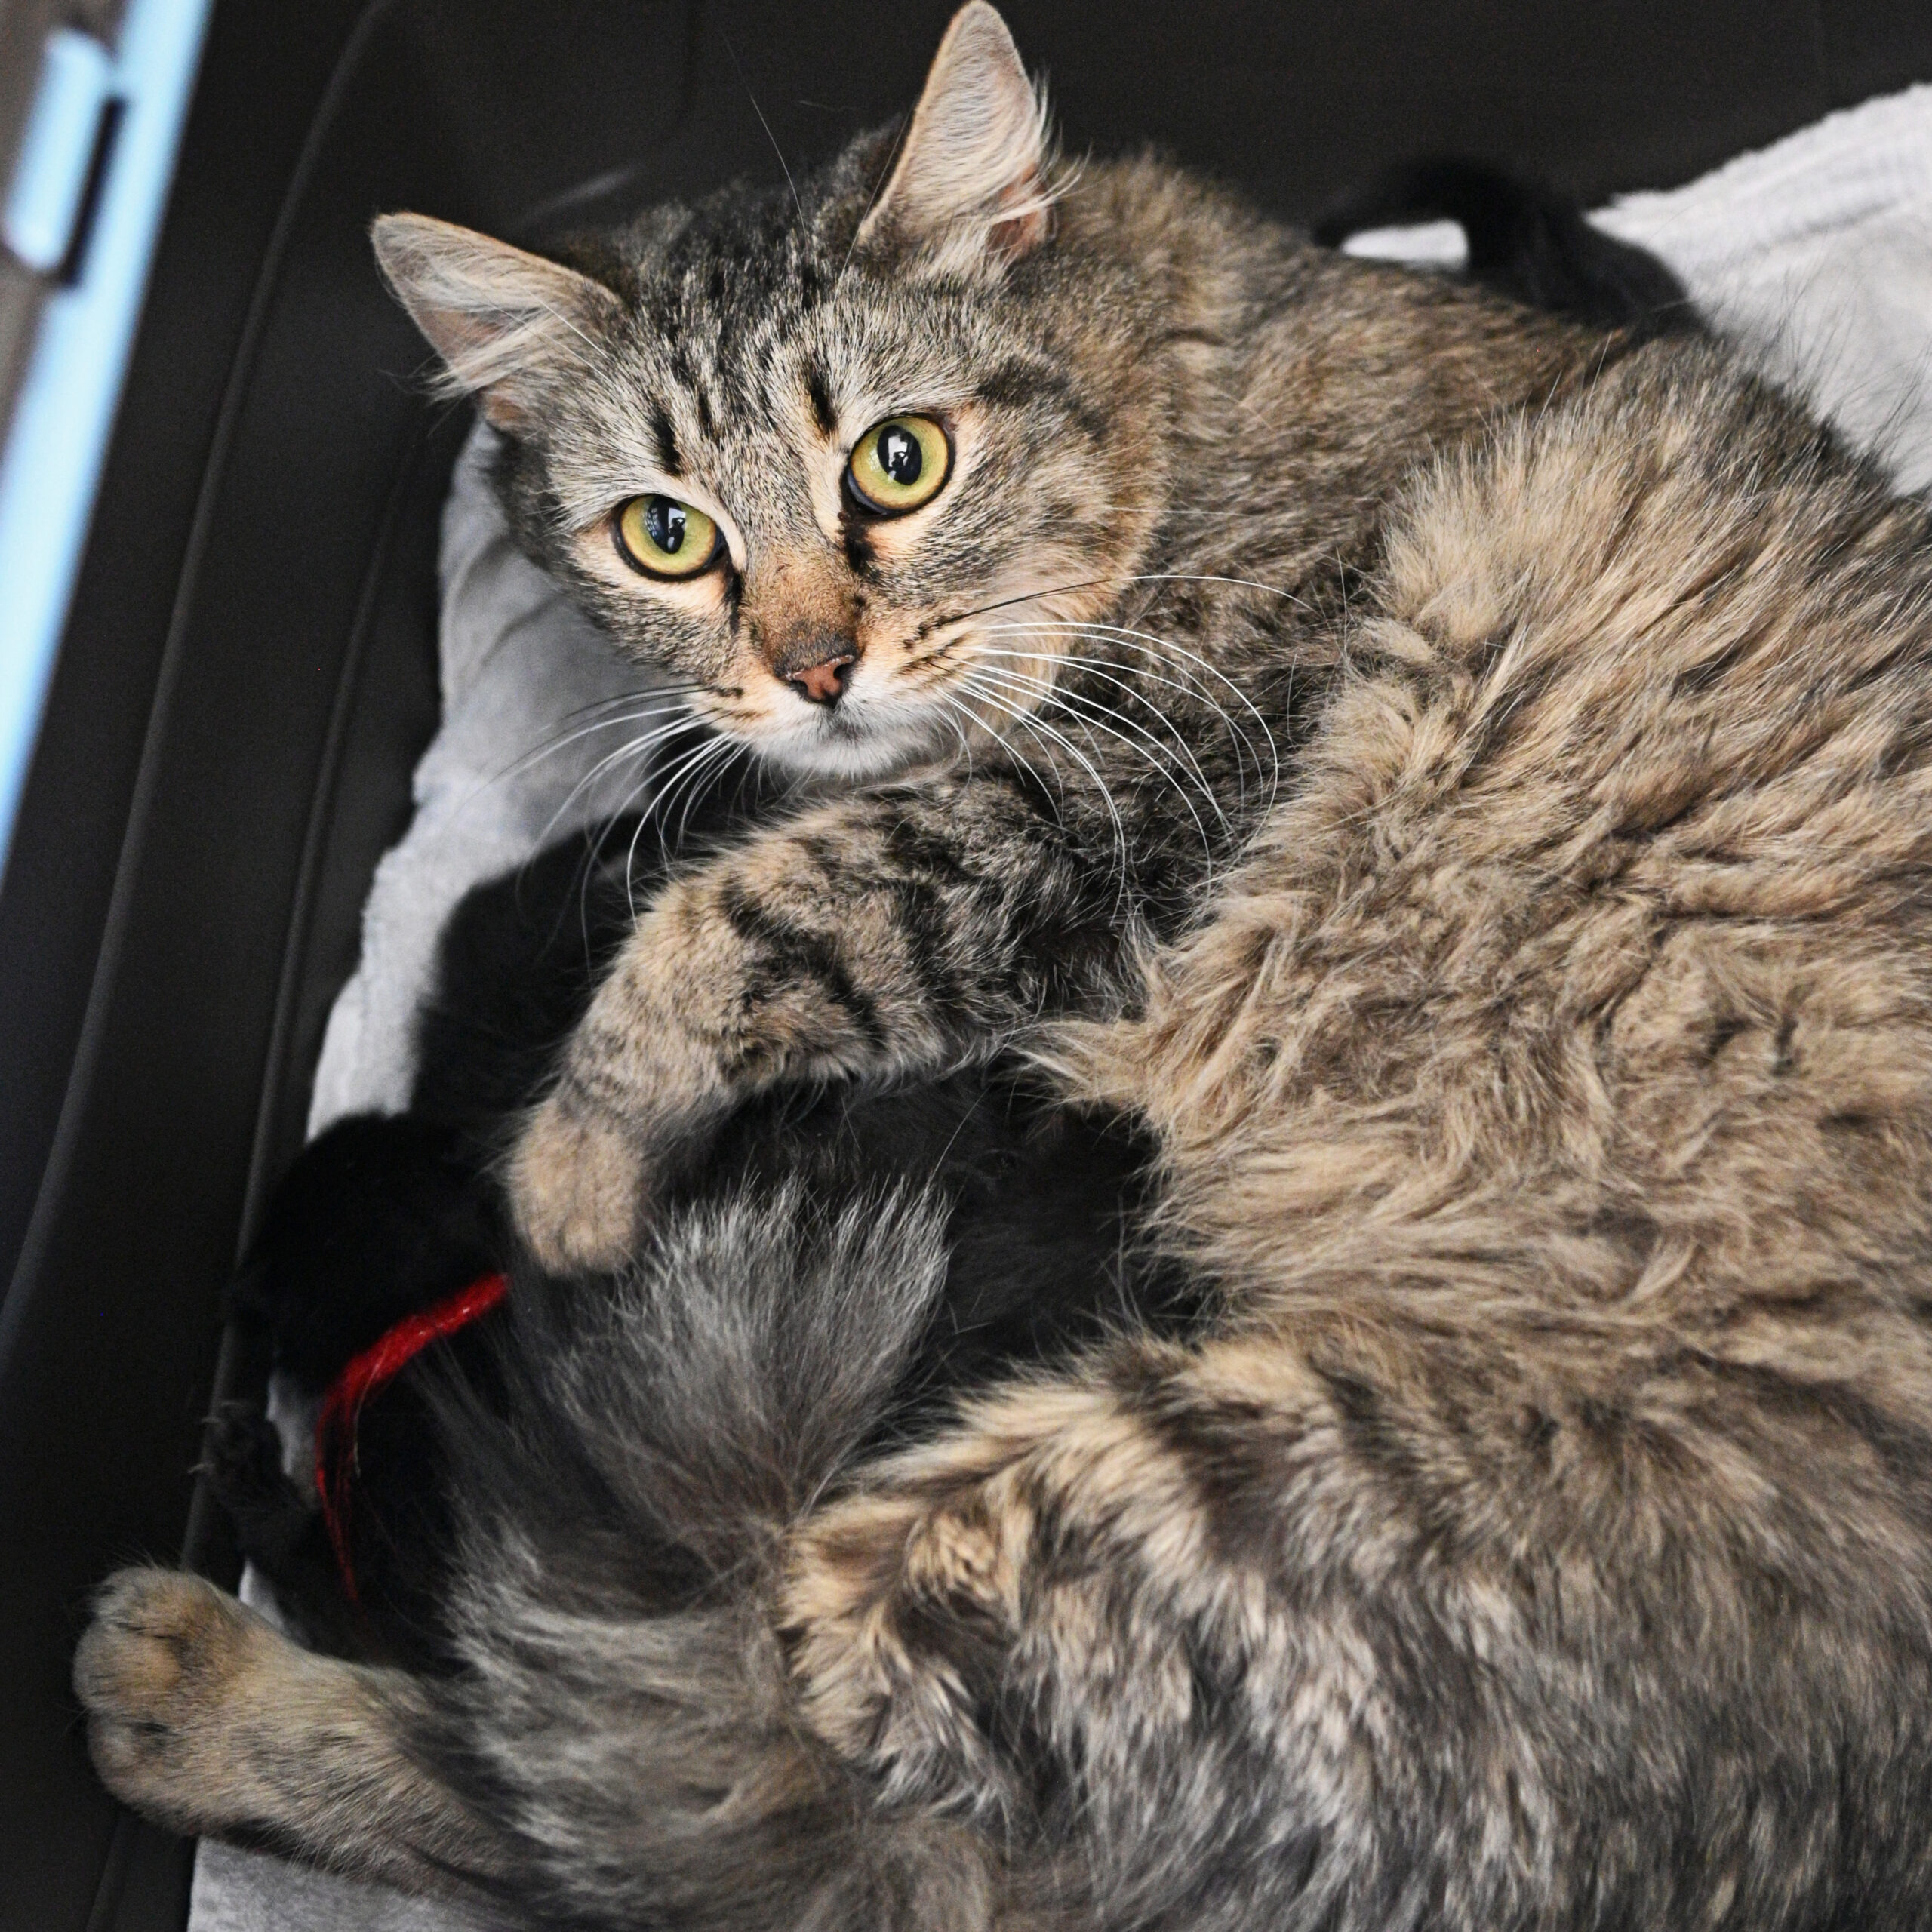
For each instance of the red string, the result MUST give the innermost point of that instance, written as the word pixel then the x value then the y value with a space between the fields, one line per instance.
pixel 382 1361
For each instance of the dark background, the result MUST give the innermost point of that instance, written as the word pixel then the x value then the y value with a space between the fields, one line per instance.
pixel 249 670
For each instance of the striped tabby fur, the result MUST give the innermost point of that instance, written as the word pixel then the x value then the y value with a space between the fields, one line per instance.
pixel 1541 1536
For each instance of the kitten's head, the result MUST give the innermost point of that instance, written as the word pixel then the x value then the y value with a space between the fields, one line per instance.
pixel 850 462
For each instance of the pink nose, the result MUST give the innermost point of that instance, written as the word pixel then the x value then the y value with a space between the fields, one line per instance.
pixel 824 682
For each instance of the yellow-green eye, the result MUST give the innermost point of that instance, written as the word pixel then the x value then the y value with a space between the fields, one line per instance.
pixel 900 464
pixel 662 537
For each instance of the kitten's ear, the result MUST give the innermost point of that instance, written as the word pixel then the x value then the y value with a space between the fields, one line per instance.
pixel 970 183
pixel 505 323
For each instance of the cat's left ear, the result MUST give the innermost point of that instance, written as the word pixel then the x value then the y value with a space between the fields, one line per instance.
pixel 970 183
pixel 509 325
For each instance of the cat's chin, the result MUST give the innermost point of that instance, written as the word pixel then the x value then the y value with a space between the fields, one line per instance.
pixel 835 745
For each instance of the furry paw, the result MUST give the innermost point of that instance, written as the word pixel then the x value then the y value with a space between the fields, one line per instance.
pixel 163 1672
pixel 243 1461
pixel 577 1186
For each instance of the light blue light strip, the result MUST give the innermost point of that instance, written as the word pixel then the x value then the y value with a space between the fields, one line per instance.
pixel 51 467
pixel 50 176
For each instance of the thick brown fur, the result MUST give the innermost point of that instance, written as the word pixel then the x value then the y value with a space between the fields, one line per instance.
pixel 1541 1536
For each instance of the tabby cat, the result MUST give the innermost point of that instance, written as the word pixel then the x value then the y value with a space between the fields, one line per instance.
pixel 1035 506
pixel 1538 1533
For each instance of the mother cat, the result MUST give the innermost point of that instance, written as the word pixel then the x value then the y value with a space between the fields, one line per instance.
pixel 1541 1535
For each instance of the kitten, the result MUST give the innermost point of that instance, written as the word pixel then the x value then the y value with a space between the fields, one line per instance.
pixel 1540 1533
pixel 383 1215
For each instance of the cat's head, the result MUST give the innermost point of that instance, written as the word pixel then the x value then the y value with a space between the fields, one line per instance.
pixel 850 461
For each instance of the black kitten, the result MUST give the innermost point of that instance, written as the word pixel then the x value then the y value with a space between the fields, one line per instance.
pixel 381 1217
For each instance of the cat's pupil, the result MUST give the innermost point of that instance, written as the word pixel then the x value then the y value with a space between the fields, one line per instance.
pixel 665 520
pixel 901 457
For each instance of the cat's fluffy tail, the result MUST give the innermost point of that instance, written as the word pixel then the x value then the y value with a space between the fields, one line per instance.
pixel 626 1719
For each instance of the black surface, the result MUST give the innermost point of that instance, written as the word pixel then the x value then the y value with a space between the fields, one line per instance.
pixel 248 671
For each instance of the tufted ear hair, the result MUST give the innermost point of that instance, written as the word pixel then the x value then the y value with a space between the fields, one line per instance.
pixel 970 183
pixel 507 324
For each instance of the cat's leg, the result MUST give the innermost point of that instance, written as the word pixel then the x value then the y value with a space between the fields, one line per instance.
pixel 203 1716
pixel 882 935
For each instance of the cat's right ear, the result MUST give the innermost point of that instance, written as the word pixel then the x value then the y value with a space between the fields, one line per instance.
pixel 970 183
pixel 505 323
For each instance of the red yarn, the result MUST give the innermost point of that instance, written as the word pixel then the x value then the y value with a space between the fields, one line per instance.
pixel 380 1362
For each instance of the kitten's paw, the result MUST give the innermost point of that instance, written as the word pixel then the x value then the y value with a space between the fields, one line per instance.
pixel 576 1187
pixel 242 1459
pixel 161 1672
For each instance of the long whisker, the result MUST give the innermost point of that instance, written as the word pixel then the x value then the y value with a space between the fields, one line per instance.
pixel 611 821
pixel 1155 642
pixel 1101 668
pixel 1047 739
pixel 640 747
pixel 1109 669
pixel 527 761
pixel 681 784
pixel 1012 751
pixel 685 773
pixel 565 739
pixel 1144 643
pixel 1152 751
pixel 1151 644
pixel 878 188
pixel 655 689
pixel 953 717
pixel 1245 583
pixel 763 122
pixel 657 806
pixel 652 772
pixel 732 749
pixel 1143 741
pixel 1033 723
pixel 1024 597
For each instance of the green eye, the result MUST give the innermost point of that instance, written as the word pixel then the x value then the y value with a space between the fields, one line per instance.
pixel 662 537
pixel 900 464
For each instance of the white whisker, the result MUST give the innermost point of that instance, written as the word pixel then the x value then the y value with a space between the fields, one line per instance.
pixel 1245 583
pixel 1102 668
pixel 1148 645
pixel 1152 644
pixel 731 750
pixel 1039 726
pixel 1012 751
pixel 657 807
pixel 642 745
pixel 1065 701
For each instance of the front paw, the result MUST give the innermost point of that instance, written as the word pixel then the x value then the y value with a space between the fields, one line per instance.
pixel 162 1672
pixel 577 1183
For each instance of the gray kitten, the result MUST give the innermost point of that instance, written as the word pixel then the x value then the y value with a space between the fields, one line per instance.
pixel 1541 1533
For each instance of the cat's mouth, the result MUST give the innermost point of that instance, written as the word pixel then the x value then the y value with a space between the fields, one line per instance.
pixel 864 735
